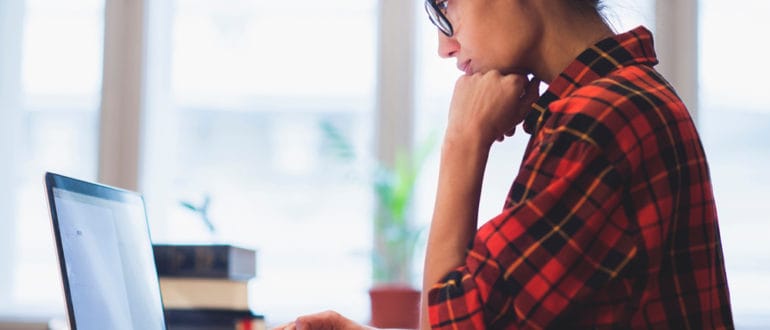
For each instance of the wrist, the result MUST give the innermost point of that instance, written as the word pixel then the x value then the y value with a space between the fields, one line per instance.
pixel 465 146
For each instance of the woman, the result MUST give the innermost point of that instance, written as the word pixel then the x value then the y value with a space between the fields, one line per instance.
pixel 610 222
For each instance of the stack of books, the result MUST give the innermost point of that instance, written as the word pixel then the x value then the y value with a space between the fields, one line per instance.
pixel 206 287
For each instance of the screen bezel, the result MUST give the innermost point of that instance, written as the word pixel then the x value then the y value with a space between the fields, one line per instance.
pixel 58 181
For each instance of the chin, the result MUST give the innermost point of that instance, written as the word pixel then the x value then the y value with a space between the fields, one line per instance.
pixel 518 71
pixel 514 70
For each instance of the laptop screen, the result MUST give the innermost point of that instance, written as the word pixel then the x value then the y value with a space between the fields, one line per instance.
pixel 105 254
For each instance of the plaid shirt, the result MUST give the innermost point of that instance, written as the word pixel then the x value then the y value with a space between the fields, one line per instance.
pixel 611 221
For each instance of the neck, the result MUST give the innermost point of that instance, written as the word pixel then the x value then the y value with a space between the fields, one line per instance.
pixel 566 35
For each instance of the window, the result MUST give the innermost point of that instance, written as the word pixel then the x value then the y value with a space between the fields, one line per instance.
pixel 50 71
pixel 250 86
pixel 735 127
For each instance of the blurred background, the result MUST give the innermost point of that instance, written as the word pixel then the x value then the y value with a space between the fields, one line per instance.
pixel 188 100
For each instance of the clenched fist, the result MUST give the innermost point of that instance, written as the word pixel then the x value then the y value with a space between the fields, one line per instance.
pixel 487 106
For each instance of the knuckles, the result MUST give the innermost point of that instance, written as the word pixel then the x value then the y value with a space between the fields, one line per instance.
pixel 491 78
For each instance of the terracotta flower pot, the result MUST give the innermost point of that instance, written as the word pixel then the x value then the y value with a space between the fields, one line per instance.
pixel 395 306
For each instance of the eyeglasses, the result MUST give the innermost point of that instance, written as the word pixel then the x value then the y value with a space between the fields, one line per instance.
pixel 436 13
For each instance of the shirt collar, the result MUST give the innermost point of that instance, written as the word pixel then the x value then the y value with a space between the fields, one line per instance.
pixel 631 48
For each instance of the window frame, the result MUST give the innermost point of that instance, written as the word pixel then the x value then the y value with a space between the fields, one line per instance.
pixel 11 21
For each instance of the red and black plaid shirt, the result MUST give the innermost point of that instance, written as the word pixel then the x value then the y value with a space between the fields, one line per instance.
pixel 611 221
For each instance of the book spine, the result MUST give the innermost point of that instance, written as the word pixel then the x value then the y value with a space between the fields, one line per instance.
pixel 251 324
pixel 205 261
pixel 205 319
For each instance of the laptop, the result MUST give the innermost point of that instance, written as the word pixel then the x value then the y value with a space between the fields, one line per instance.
pixel 105 256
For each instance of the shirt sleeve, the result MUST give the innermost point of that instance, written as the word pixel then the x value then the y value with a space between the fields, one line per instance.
pixel 564 237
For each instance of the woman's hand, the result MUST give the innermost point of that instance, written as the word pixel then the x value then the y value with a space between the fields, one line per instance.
pixel 488 106
pixel 328 320
pixel 485 107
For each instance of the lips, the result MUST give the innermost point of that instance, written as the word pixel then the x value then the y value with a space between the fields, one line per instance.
pixel 465 67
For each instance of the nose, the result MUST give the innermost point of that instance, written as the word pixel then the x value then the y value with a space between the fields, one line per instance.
pixel 447 46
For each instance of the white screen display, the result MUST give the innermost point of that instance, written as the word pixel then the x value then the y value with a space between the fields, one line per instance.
pixel 109 265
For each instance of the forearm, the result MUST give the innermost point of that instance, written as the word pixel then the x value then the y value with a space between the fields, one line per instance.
pixel 455 212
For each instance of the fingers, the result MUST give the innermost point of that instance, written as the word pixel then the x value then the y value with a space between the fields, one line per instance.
pixel 328 320
pixel 489 105
pixel 517 80
pixel 509 133
pixel 287 326
pixel 321 321
pixel 531 92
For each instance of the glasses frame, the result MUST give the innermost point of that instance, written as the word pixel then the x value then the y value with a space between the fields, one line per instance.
pixel 438 18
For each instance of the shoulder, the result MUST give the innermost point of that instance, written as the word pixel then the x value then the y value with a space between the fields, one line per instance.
pixel 619 111
pixel 629 90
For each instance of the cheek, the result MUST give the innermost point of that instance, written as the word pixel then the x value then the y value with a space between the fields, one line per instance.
pixel 515 46
pixel 473 34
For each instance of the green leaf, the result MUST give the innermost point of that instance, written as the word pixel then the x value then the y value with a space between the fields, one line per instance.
pixel 339 144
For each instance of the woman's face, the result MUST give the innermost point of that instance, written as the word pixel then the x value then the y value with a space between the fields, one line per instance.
pixel 501 35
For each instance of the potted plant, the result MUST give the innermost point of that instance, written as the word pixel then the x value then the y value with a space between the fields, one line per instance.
pixel 202 211
pixel 394 297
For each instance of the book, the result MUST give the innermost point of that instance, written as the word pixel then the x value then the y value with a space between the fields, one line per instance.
pixel 213 319
pixel 205 260
pixel 202 293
